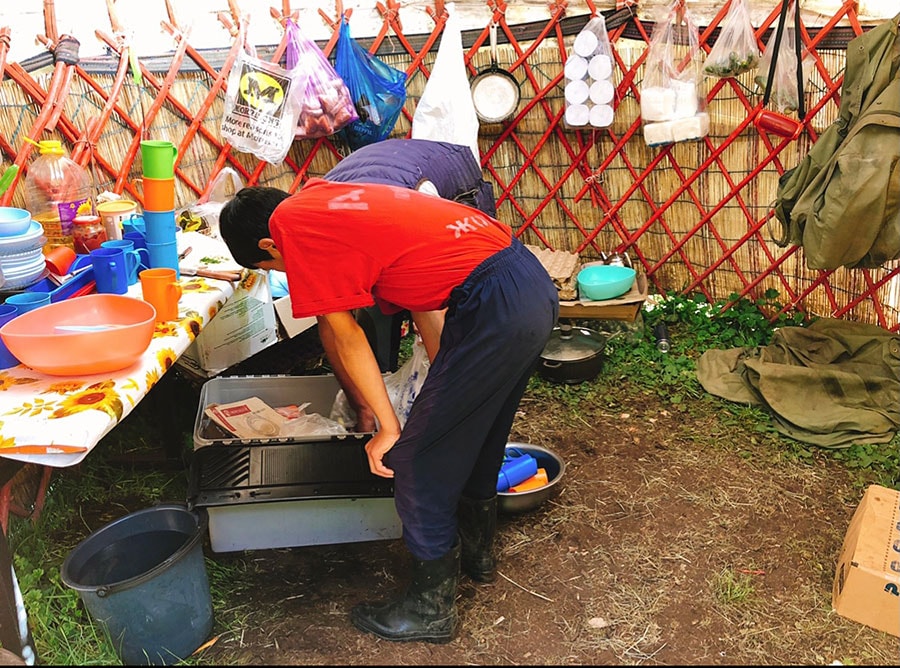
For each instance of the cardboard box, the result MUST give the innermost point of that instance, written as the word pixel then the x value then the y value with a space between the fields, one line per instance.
pixel 242 327
pixel 867 578
pixel 292 326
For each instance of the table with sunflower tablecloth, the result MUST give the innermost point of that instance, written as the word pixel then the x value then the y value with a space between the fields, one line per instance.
pixel 40 409
pixel 36 408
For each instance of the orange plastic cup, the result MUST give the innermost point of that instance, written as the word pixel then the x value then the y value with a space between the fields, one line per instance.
pixel 160 287
pixel 59 259
pixel 159 194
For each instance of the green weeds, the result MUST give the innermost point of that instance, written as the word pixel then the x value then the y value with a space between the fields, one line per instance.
pixel 732 588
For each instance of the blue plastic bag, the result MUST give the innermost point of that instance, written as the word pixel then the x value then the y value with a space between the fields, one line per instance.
pixel 378 91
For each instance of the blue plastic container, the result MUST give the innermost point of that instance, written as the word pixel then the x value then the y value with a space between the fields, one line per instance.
pixel 143 578
pixel 517 467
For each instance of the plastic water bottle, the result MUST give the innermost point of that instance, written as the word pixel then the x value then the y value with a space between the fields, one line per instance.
pixel 57 189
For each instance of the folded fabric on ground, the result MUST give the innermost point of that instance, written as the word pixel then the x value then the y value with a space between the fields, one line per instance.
pixel 835 383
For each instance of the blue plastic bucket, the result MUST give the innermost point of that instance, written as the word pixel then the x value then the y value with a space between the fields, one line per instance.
pixel 143 578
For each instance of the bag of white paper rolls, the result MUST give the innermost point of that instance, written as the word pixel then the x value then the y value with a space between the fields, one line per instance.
pixel 585 43
pixel 577 91
pixel 577 115
pixel 576 67
pixel 601 115
pixel 602 92
pixel 600 66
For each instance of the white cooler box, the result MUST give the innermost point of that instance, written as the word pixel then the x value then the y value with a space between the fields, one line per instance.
pixel 271 493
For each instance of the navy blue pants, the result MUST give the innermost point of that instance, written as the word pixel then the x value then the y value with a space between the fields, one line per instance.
pixel 498 322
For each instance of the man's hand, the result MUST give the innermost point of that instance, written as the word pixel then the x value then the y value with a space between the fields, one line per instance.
pixel 357 372
pixel 377 447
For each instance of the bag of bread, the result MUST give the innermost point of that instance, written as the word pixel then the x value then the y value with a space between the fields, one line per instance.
pixel 325 103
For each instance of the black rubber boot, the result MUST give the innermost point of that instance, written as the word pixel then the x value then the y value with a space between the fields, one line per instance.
pixel 427 609
pixel 477 528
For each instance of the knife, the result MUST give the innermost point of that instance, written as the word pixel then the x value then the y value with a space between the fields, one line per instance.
pixel 42 449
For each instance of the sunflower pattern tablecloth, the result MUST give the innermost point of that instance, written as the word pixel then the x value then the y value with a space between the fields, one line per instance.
pixel 36 408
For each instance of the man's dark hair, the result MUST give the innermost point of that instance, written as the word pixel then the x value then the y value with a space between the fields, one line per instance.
pixel 244 220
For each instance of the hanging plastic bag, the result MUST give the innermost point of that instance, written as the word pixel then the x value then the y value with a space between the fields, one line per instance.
pixel 590 90
pixel 203 216
pixel 673 107
pixel 777 75
pixel 325 104
pixel 402 386
pixel 261 107
pixel 445 111
pixel 378 91
pixel 735 50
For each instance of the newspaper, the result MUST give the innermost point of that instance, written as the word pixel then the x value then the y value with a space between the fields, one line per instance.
pixel 248 418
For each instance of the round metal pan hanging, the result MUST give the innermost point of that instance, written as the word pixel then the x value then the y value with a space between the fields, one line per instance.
pixel 495 91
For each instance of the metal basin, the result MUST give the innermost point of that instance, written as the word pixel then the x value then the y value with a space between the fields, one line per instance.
pixel 520 502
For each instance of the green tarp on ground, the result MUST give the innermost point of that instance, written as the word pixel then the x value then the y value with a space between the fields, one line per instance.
pixel 835 383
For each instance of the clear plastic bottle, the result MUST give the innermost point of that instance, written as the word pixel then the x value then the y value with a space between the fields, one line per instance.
pixel 56 190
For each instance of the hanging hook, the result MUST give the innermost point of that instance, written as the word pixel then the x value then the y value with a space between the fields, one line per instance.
pixel 285 14
pixel 339 9
pixel 438 12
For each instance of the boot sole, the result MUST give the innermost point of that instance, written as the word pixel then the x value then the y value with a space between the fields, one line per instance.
pixel 431 638
pixel 481 578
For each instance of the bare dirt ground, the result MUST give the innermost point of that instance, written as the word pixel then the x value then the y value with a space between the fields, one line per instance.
pixel 683 534
pixel 679 537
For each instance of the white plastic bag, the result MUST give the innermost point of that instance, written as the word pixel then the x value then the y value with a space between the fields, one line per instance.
pixel 673 107
pixel 445 111
pixel 402 386
pixel 590 89
pixel 735 50
pixel 203 216
pixel 262 105
pixel 325 103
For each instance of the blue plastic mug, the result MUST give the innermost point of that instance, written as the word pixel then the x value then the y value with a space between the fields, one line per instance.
pixel 127 245
pixel 7 313
pixel 164 255
pixel 137 238
pixel 160 226
pixel 112 267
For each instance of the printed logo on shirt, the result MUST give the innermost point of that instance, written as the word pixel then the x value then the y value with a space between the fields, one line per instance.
pixel 351 200
pixel 468 224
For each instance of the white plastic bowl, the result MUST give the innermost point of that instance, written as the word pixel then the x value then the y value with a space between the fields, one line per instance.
pixel 13 221
pixel 32 238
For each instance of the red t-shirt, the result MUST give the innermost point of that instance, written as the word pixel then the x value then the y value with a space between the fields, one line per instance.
pixel 349 245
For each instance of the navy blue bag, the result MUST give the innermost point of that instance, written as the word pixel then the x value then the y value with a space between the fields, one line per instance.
pixel 378 91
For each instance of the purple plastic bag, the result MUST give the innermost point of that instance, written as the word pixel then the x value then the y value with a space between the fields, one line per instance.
pixel 326 105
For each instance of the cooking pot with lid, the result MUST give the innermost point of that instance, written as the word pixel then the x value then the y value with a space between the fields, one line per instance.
pixel 572 354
